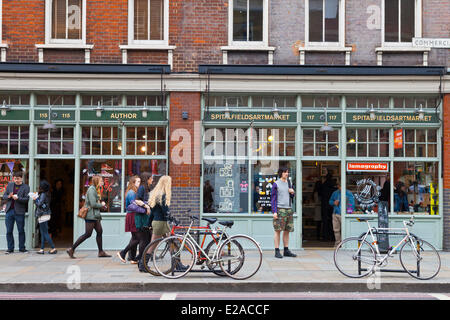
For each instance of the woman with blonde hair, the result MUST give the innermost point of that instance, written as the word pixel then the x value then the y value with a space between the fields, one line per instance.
pixel 159 203
pixel 93 217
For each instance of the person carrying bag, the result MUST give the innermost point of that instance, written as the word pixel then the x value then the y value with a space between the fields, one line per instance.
pixel 43 214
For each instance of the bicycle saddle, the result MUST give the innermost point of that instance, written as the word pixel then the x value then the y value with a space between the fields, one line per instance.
pixel 364 219
pixel 228 224
pixel 210 220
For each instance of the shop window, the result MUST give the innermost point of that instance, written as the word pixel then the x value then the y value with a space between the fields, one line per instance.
pixel 139 101
pixel 110 171
pixel 317 143
pixel 264 174
pixel 155 167
pixel 56 141
pixel 7 168
pixel 14 139
pixel 226 187
pixel 238 101
pixel 15 99
pixel 416 188
pixel 105 101
pixel 273 142
pixel 366 102
pixel 416 102
pixel 101 141
pixel 321 102
pixel 418 143
pixel 56 100
pixel 226 142
pixel 143 141
pixel 372 143
pixel 364 190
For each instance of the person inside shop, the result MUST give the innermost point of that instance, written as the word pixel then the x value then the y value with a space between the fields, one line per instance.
pixel 208 199
pixel 93 218
pixel 315 198
pixel 57 207
pixel 326 190
pixel 386 191
pixel 16 197
pixel 401 198
pixel 335 201
pixel 281 197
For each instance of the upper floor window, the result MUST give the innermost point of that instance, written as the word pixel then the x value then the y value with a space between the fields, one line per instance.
pixel 248 22
pixel 65 21
pixel 402 21
pixel 325 21
pixel 148 22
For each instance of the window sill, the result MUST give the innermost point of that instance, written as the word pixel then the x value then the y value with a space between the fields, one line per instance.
pixel 159 47
pixel 65 46
pixel 267 49
pixel 401 49
pixel 312 48
pixel 3 47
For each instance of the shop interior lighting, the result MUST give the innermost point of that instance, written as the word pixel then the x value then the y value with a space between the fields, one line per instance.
pixel 372 112
pixel 98 110
pixel 420 112
pixel 5 108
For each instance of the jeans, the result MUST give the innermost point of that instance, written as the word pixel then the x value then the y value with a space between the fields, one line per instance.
pixel 19 219
pixel 43 228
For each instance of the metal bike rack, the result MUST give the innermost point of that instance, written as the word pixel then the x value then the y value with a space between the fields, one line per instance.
pixel 388 270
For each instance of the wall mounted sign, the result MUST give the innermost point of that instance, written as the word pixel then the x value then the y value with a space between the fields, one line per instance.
pixel 398 139
pixel 57 115
pixel 431 43
pixel 107 115
pixel 391 117
pixel 367 166
pixel 249 116
pixel 16 115
pixel 320 117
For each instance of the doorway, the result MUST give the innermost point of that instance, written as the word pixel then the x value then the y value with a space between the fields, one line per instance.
pixel 60 174
pixel 319 182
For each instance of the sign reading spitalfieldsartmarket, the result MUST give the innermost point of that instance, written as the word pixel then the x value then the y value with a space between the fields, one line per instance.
pixel 390 117
pixel 251 116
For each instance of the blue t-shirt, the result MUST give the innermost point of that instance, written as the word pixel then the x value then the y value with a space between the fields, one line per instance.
pixel 129 198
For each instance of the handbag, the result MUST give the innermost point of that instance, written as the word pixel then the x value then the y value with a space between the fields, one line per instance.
pixel 44 218
pixel 83 212
pixel 133 207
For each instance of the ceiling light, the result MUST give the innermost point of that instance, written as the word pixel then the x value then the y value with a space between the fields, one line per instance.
pixel 372 112
pixel 420 112
pixel 98 110
pixel 4 108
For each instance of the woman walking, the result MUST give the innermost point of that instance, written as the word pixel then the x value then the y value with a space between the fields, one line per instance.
pixel 130 226
pixel 142 220
pixel 43 212
pixel 93 218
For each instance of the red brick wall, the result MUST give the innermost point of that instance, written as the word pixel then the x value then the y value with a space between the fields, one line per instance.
pixel 185 175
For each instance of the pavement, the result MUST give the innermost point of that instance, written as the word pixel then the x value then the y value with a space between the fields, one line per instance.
pixel 311 271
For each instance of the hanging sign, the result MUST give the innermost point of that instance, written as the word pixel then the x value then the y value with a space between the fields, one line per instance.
pixel 398 139
pixel 367 166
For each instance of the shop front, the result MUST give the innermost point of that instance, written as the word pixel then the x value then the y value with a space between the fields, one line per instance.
pixel 376 147
pixel 114 135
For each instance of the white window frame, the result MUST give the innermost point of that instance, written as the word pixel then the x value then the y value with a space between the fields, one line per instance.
pixel 338 44
pixel 132 41
pixel 249 44
pixel 48 26
pixel 417 25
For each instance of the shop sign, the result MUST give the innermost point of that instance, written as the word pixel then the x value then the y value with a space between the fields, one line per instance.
pixel 16 115
pixel 320 117
pixel 398 139
pixel 59 115
pixel 251 116
pixel 367 166
pixel 358 117
pixel 122 115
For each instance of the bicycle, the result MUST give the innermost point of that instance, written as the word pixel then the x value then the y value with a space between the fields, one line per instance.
pixel 206 230
pixel 176 255
pixel 355 257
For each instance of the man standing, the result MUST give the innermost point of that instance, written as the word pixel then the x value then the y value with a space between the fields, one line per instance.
pixel 335 201
pixel 16 195
pixel 283 215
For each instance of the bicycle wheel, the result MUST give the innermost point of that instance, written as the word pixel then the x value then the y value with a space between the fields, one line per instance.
pixel 147 257
pixel 240 257
pixel 420 260
pixel 214 266
pixel 354 259
pixel 171 259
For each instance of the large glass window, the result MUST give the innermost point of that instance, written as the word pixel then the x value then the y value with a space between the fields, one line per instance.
pixel 101 141
pixel 105 101
pixel 416 188
pixel 146 141
pixel 321 101
pixel 7 168
pixel 248 19
pixel 323 20
pixel 15 99
pixel 368 143
pixel 56 141
pixel 418 143
pixel 110 170
pixel 55 100
pixel 14 139
pixel 317 143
